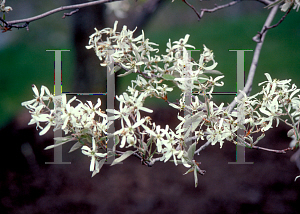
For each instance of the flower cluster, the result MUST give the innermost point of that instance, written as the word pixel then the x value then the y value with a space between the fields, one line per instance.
pixel 204 119
pixel 86 122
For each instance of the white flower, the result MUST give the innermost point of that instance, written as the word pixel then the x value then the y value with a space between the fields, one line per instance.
pixel 127 132
pixel 38 97
pixel 272 111
pixel 90 109
pixel 286 5
pixel 135 102
pixel 206 57
pixel 92 153
pixel 163 90
pixel 158 134
pixel 168 152
pixel 182 43
pixel 3 8
pixel 218 133
pixel 35 113
pixel 50 119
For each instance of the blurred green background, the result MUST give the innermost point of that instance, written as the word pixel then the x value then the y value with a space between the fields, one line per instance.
pixel 24 60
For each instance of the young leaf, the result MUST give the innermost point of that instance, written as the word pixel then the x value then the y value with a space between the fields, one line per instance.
pixel 259 138
pixel 191 151
pixel 290 133
pixel 125 74
pixel 190 170
pixel 55 145
pixel 168 77
pixel 60 141
pixel 76 146
pixel 273 4
pixel 101 162
pixel 117 140
pixel 149 141
pixel 123 157
pixel 202 78
pixel 213 72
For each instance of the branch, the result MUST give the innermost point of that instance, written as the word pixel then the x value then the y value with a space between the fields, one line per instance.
pixel 191 6
pixel 266 2
pixel 248 85
pixel 216 8
pixel 11 24
pixel 202 147
pixel 257 38
pixel 70 14
pixel 272 150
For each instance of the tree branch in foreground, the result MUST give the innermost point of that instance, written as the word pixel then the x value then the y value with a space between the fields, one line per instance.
pixel 259 35
pixel 70 14
pixel 248 85
pixel 209 10
pixel 191 6
pixel 217 8
pixel 11 24
pixel 265 2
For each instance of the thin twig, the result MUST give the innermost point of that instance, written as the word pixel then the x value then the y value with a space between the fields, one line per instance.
pixel 191 6
pixel 11 24
pixel 216 8
pixel 266 2
pixel 259 35
pixel 282 151
pixel 248 85
pixel 202 147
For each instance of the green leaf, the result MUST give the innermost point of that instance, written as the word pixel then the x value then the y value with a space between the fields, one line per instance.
pixel 273 4
pixel 3 16
pixel 202 76
pixel 149 141
pixel 60 141
pixel 101 162
pixel 76 146
pixel 259 138
pixel 213 72
pixel 249 138
pixel 191 151
pixel 168 77
pixel 145 147
pixel 117 140
pixel 110 154
pixel 55 145
pixel 123 157
pixel 125 74
pixel 190 170
pixel 290 132
pixel 102 138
